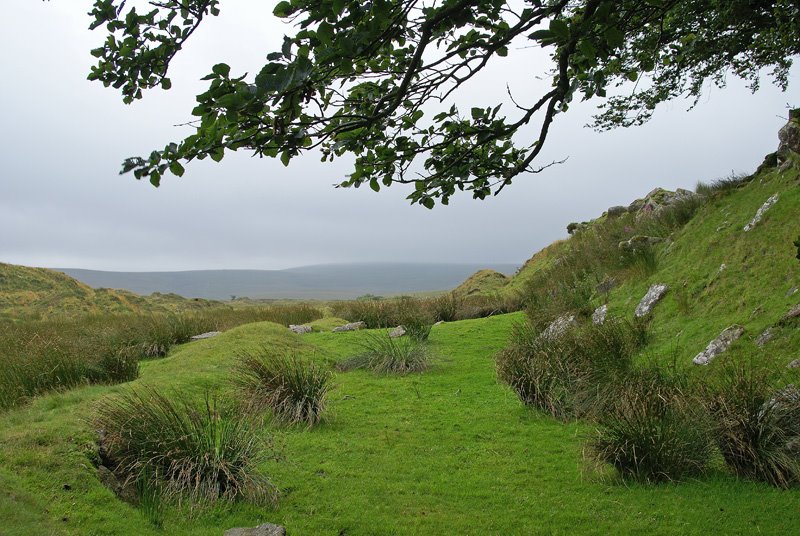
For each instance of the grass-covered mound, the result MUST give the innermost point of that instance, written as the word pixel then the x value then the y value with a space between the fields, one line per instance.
pixel 481 282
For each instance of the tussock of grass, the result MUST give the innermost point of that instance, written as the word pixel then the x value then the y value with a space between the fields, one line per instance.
pixel 196 453
pixel 293 388
pixel 654 431
pixel 573 375
pixel 385 355
pixel 757 426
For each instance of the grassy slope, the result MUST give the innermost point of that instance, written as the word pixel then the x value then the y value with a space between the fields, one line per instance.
pixel 446 452
pixel 481 282
pixel 761 269
pixel 40 293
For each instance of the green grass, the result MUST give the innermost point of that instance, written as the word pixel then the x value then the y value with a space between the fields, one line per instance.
pixel 446 452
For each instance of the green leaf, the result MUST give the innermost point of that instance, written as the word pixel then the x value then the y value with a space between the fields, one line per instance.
pixel 540 35
pixel 477 113
pixel 166 83
pixel 176 168
pixel 282 10
pixel 427 203
pixel 614 37
pixel 221 69
pixel 285 157
pixel 373 183
pixel 559 29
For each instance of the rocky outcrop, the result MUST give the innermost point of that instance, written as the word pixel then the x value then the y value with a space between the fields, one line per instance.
pixel 300 329
pixel 599 315
pixel 789 137
pixel 399 331
pixel 760 212
pixel 352 326
pixel 206 335
pixel 657 199
pixel 649 301
pixel 267 529
pixel 718 345
pixel 614 212
pixel 639 242
pixel 794 364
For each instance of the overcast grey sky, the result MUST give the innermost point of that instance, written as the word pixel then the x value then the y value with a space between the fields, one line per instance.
pixel 63 138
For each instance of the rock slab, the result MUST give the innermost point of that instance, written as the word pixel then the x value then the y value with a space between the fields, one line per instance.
pixel 206 335
pixel 649 301
pixel 399 331
pixel 267 529
pixel 352 326
pixel 300 329
pixel 760 212
pixel 718 345
pixel 559 326
pixel 765 337
pixel 599 315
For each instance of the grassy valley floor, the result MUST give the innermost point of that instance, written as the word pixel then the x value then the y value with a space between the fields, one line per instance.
pixel 449 451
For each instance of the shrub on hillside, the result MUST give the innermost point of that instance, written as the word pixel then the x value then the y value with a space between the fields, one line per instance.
pixel 653 431
pixel 571 375
pixel 293 388
pixel 196 453
pixel 758 428
pixel 724 186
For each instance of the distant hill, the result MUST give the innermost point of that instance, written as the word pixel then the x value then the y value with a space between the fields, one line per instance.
pixel 40 293
pixel 323 281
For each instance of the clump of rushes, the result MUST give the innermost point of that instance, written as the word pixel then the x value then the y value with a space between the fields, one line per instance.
pixel 418 330
pixel 571 375
pixel 385 355
pixel 293 388
pixel 758 427
pixel 189 452
pixel 654 431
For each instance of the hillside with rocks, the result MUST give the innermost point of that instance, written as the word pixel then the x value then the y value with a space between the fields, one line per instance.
pixel 712 268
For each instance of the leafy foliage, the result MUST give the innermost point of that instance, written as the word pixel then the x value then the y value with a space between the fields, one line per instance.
pixel 377 79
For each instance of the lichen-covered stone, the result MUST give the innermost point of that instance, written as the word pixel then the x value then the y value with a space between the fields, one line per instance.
pixel 649 301
pixel 267 529
pixel 559 326
pixel 718 345
pixel 789 138
pixel 765 337
pixel 639 242
pixel 352 326
pixel 206 335
pixel 599 315
pixel 794 364
pixel 399 331
pixel 300 329
pixel 760 212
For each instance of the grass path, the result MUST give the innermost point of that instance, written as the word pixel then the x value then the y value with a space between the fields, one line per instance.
pixel 445 452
